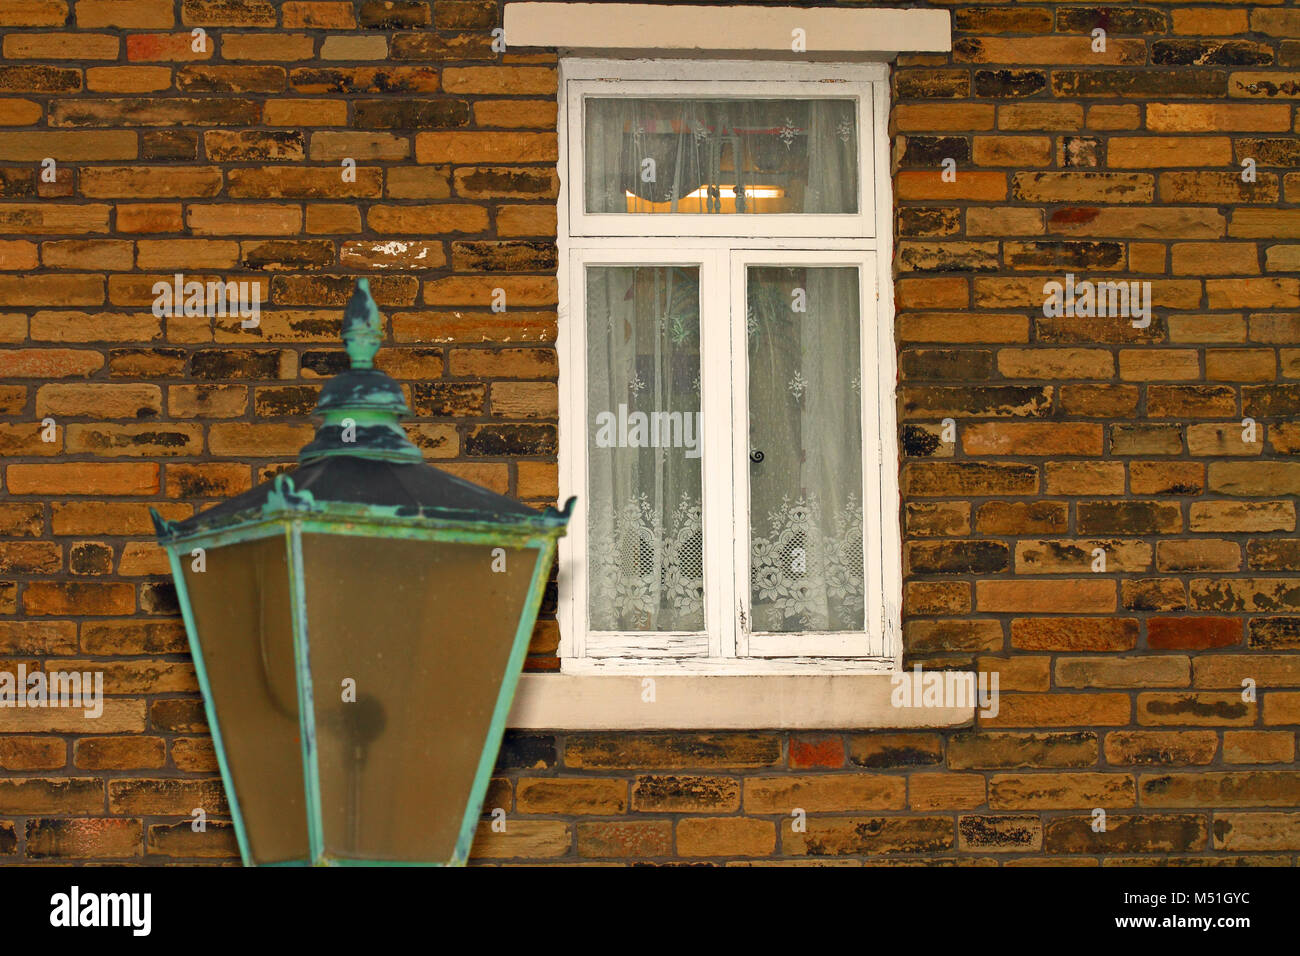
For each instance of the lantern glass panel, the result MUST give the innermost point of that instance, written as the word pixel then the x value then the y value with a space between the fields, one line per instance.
pixel 241 607
pixel 408 641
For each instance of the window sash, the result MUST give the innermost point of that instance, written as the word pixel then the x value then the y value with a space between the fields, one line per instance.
pixel 757 226
pixel 725 449
pixel 751 642
pixel 717 504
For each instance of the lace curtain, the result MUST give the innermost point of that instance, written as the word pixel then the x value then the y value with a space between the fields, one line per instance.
pixel 805 434
pixel 645 552
pixel 720 156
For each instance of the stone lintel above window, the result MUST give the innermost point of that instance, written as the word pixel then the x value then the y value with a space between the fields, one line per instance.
pixel 628 29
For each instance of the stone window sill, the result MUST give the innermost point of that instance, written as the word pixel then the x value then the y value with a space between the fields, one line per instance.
pixel 718 702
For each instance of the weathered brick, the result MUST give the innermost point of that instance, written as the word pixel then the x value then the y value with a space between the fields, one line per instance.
pixel 1161 748
pixel 887 750
pixel 1085 477
pixel 823 792
pixel 217 840
pixel 1061 710
pixel 571 795
pixel 323 14
pixel 530 839
pixel 1003 833
pixel 1061 791
pixel 61 46
pixel 1055 364
pixel 1256 831
pixel 1194 709
pixel 1074 556
pixel 626 839
pixel 1254 516
pixel 94 838
pixel 1029 438
pixel 820 752
pixel 834 836
pixel 395 14
pixel 1128 517
pixel 484 147
pixel 34 13
pixel 119 753
pixel 1065 596
pixel 651 751
pixel 685 793
pixel 1148 671
pixel 942 791
pixel 84 478
pixel 1274 555
pixel 723 836
pixel 1245 594
pixel 957 557
pixel 921 636
pixel 30 752
pixel 1258 746
pixel 1021 517
pixel 1198 554
pixel 1134 833
pixel 54 795
pixel 1153 594
pixel 1247 788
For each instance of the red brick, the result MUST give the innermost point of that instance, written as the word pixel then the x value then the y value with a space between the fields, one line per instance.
pixel 812 752
pixel 1193 633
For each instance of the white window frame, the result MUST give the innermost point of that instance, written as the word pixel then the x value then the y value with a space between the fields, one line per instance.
pixel 721 249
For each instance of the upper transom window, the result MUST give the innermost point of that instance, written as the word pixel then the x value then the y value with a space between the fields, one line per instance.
pixel 757 158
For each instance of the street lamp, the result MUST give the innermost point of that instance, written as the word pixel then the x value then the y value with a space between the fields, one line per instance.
pixel 358 628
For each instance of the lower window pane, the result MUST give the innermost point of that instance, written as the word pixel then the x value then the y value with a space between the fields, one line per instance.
pixel 645 553
pixel 805 461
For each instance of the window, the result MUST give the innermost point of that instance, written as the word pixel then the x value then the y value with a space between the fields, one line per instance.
pixel 727 369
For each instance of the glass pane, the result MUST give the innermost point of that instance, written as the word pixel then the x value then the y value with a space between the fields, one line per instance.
pixel 805 460
pixel 646 543
pixel 423 631
pixel 721 156
pixel 240 603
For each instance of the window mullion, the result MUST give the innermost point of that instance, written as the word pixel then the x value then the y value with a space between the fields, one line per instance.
pixel 742 620
pixel 719 479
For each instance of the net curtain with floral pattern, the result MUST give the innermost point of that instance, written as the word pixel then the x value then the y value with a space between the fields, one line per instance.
pixel 805 435
pixel 646 543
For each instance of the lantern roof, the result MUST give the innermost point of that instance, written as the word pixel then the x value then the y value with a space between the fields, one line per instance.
pixel 361 464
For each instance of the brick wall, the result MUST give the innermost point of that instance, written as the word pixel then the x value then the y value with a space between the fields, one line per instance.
pixel 1121 689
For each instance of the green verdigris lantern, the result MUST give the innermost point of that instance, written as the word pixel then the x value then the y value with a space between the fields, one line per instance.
pixel 358 628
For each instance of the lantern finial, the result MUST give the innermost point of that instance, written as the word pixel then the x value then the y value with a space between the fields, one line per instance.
pixel 362 330
pixel 361 408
